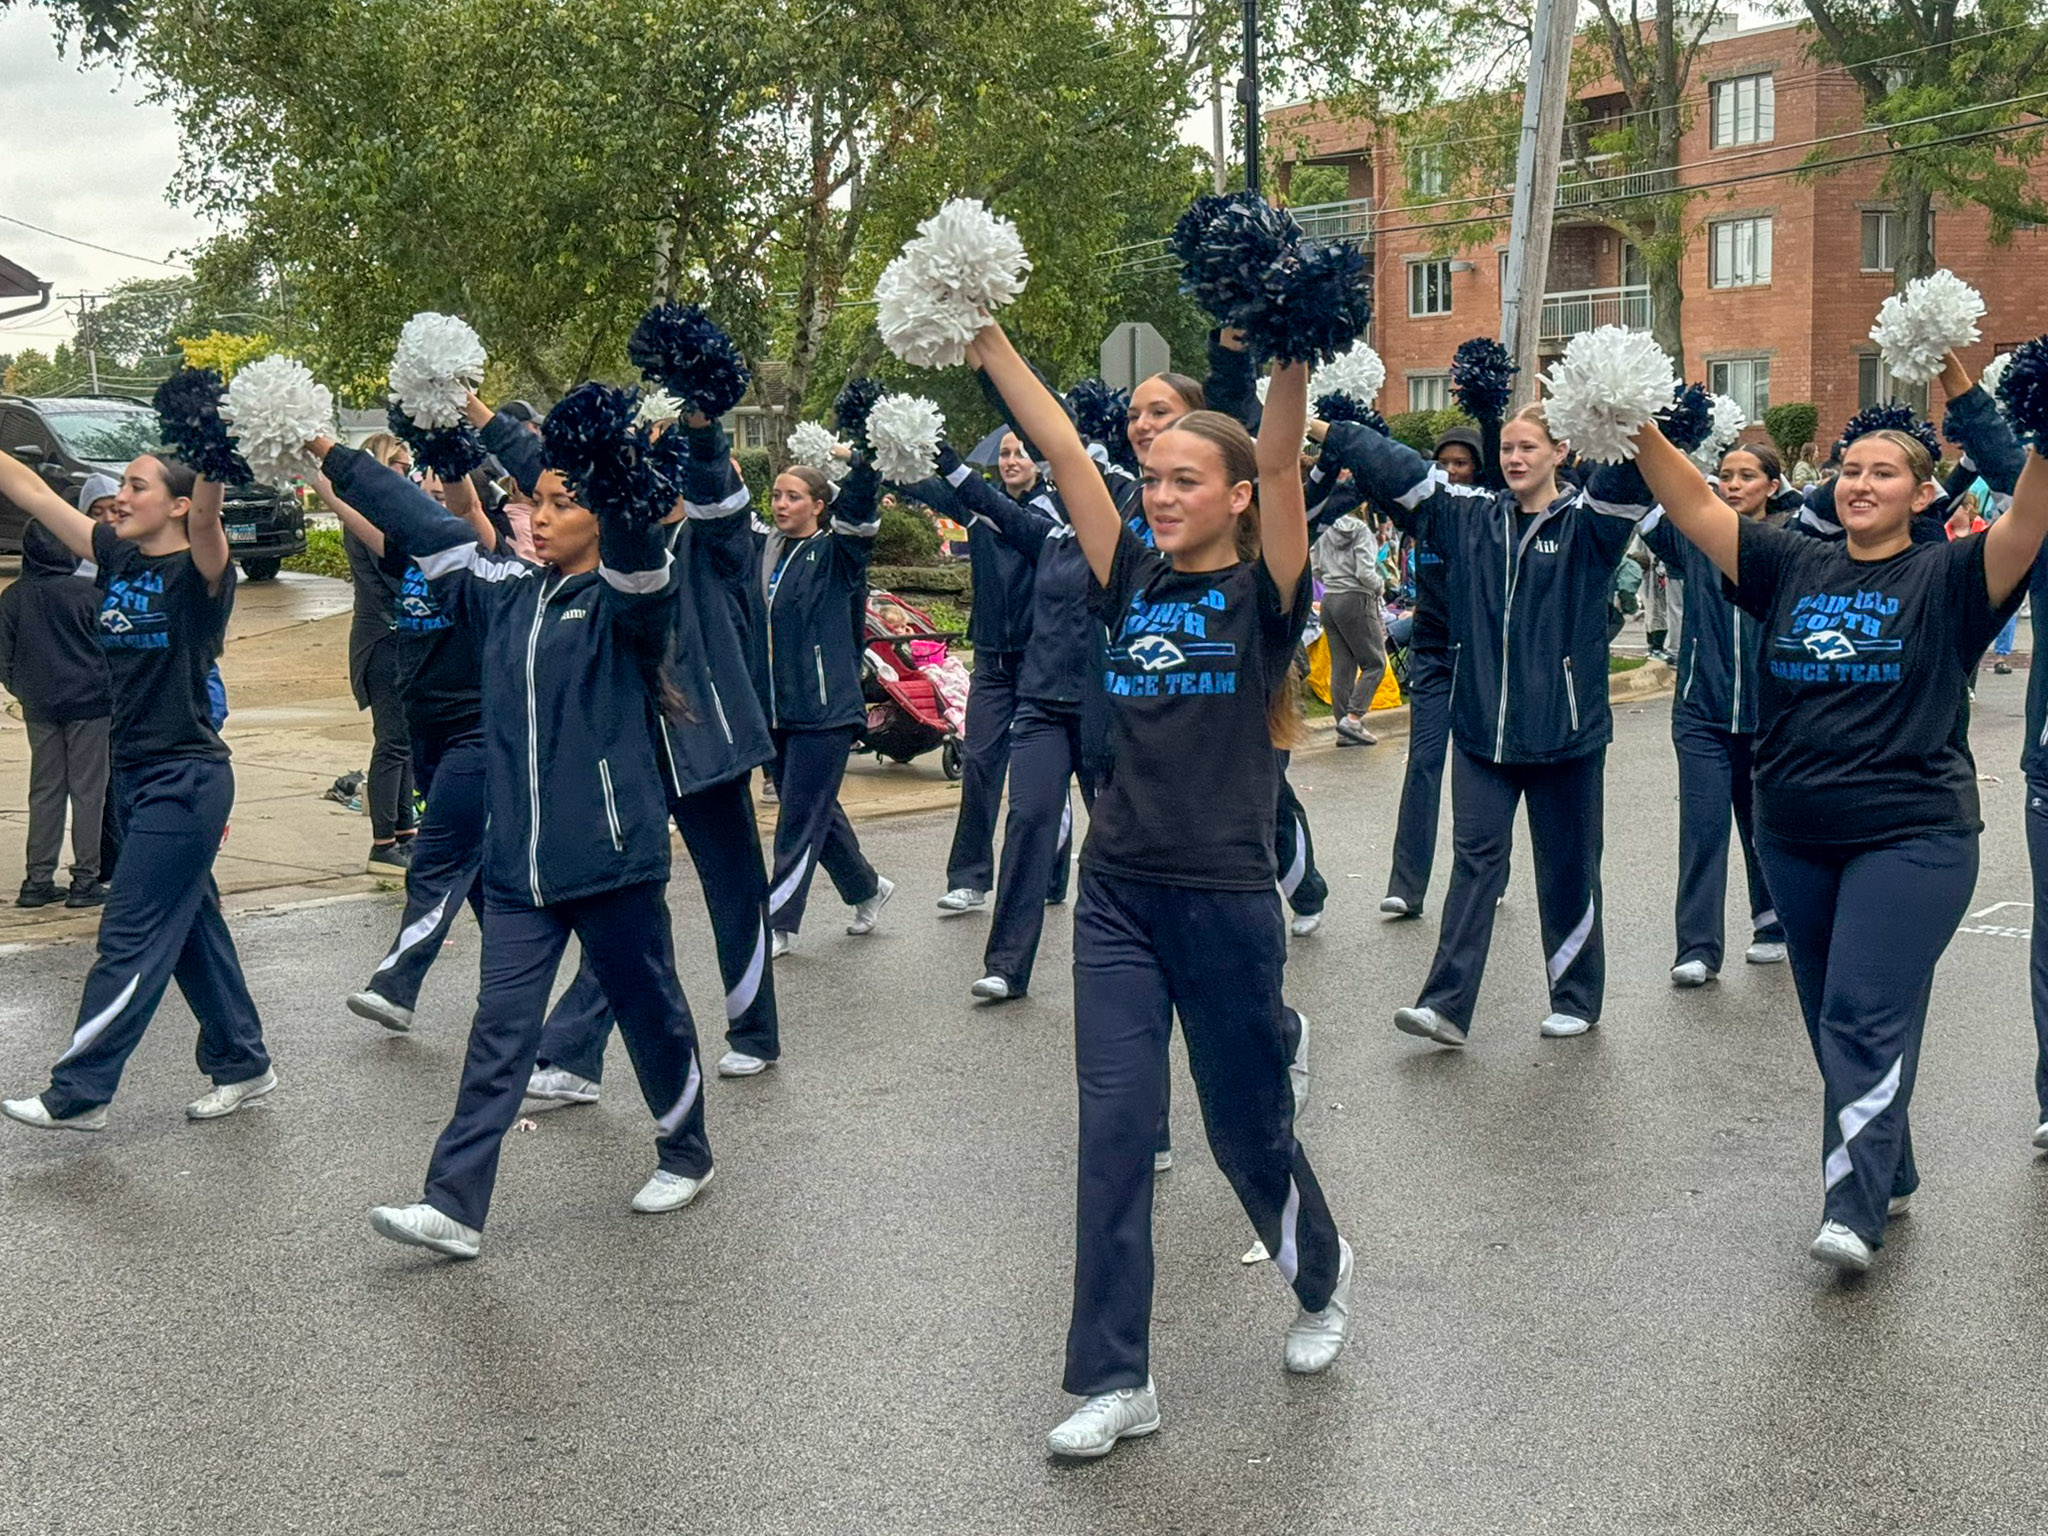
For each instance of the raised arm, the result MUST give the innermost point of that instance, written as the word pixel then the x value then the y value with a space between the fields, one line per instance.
pixel 1041 418
pixel 1986 438
pixel 1233 383
pixel 2011 543
pixel 515 447
pixel 1688 501
pixel 365 532
pixel 25 488
pixel 1283 514
pixel 206 534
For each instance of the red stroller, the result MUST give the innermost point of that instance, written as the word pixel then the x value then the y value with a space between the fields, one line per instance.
pixel 905 718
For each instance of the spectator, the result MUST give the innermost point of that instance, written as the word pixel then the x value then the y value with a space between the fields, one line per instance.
pixel 1346 560
pixel 1807 470
pixel 373 655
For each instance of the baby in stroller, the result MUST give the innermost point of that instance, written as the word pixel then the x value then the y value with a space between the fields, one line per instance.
pixel 948 677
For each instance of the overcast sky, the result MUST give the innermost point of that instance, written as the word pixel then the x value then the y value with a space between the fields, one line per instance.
pixel 82 154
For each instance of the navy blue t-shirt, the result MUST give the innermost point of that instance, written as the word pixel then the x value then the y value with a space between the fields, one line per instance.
pixel 440 676
pixel 160 629
pixel 1194 658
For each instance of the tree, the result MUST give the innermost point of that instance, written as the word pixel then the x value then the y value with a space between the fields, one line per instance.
pixel 101 26
pixel 1915 60
pixel 36 373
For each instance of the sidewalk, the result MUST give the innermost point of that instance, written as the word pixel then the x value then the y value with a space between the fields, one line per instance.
pixel 294 728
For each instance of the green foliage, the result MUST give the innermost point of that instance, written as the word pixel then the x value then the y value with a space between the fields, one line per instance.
pixel 323 557
pixel 1792 426
pixel 31 372
pixel 758 470
pixel 1420 429
pixel 1312 184
pixel 945 616
pixel 907 538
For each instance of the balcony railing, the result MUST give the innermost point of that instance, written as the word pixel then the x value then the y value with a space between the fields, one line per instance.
pixel 1600 179
pixel 1565 315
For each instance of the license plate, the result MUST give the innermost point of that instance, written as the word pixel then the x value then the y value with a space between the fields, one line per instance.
pixel 241 533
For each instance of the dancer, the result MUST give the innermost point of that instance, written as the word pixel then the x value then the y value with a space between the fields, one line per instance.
pixel 1713 729
pixel 1529 616
pixel 578 838
pixel 1178 908
pixel 998 628
pixel 168 580
pixel 814 580
pixel 373 675
pixel 1866 796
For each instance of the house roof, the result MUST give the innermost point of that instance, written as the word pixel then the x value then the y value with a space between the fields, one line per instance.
pixel 17 282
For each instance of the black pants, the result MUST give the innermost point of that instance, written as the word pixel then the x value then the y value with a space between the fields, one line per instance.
pixel 1565 828
pixel 1430 674
pixel 1300 881
pixel 984 763
pixel 1714 779
pixel 387 796
pixel 1141 953
pixel 812 830
pixel 1046 756
pixel 626 935
pixel 2037 859
pixel 1864 928
pixel 446 858
pixel 719 830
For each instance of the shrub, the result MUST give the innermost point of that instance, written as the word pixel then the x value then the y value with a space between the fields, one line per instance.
pixel 1792 426
pixel 323 556
pixel 907 538
pixel 758 470
pixel 1420 429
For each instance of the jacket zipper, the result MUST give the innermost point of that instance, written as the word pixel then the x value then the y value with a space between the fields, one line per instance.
pixel 540 609
pixel 818 660
pixel 723 723
pixel 1571 692
pixel 1507 615
pixel 611 804
pixel 1691 673
pixel 1735 667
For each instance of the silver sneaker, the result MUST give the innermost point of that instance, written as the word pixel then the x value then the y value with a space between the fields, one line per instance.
pixel 1562 1026
pixel 1315 1339
pixel 32 1112
pixel 1691 973
pixel 1765 952
pixel 993 989
pixel 740 1064
pixel 561 1087
pixel 1430 1025
pixel 1897 1206
pixel 226 1098
pixel 783 943
pixel 1397 906
pixel 1094 1428
pixel 962 898
pixel 1835 1244
pixel 421 1226
pixel 1305 923
pixel 869 912
pixel 379 1009
pixel 667 1191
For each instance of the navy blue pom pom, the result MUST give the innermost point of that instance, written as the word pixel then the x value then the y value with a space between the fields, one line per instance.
pixel 680 348
pixel 2023 392
pixel 1893 417
pixel 1687 420
pixel 610 464
pixel 1483 378
pixel 450 452
pixel 851 410
pixel 1103 415
pixel 1312 303
pixel 188 410
pixel 1225 242
pixel 1344 408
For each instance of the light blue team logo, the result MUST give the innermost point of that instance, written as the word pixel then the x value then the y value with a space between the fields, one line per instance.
pixel 1839 638
pixel 130 619
pixel 1157 653
pixel 417 610
pixel 1833 645
pixel 1162 650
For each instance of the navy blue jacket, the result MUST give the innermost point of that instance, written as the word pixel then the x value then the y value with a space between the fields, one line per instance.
pixel 814 612
pixel 1527 600
pixel 1989 449
pixel 1003 578
pixel 50 653
pixel 578 802
pixel 1718 644
pixel 1329 498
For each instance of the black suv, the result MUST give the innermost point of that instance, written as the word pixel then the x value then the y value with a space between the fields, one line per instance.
pixel 66 440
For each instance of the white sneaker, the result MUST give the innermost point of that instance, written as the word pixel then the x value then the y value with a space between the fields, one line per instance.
pixel 869 912
pixel 226 1098
pixel 1162 1160
pixel 1305 923
pixel 378 1009
pixel 1562 1026
pixel 667 1191
pixel 1256 1254
pixel 1897 1206
pixel 1297 1069
pixel 1430 1025
pixel 1315 1339
pixel 31 1112
pixel 781 945
pixel 962 898
pixel 422 1226
pixel 993 989
pixel 740 1064
pixel 561 1086
pixel 1691 973
pixel 2040 1133
pixel 1765 952
pixel 1835 1244
pixel 1094 1428
pixel 1396 906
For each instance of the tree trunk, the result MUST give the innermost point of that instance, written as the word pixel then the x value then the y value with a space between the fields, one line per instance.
pixel 1664 256
pixel 1915 219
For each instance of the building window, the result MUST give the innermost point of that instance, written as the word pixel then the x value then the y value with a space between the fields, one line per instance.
pixel 1740 253
pixel 1429 391
pixel 1745 110
pixel 1425 170
pixel 1876 386
pixel 1882 233
pixel 753 432
pixel 1429 287
pixel 1746 381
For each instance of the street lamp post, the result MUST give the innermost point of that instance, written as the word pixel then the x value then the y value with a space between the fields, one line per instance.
pixel 1248 95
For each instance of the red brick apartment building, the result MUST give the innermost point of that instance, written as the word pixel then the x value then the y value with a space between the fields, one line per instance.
pixel 1782 277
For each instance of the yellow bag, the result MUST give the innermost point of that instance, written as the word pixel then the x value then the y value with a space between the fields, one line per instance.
pixel 1388 694
pixel 1319 668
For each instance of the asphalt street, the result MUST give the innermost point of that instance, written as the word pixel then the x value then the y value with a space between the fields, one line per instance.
pixel 1582 1299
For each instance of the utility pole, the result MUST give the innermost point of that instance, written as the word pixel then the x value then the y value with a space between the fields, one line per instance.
pixel 1537 162
pixel 1218 128
pixel 86 340
pixel 1248 94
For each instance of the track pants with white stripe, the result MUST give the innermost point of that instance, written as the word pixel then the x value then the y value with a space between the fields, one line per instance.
pixel 1565 806
pixel 162 922
pixel 446 856
pixel 719 830
pixel 984 764
pixel 1047 754
pixel 1143 951
pixel 1300 881
pixel 1714 779
pixel 1430 676
pixel 812 831
pixel 625 935
pixel 1863 929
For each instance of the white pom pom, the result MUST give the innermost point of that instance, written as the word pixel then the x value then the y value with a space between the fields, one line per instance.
pixel 1356 373
pixel 963 265
pixel 904 432
pixel 273 409
pixel 1993 372
pixel 1917 329
pixel 438 361
pixel 1727 421
pixel 811 446
pixel 656 407
pixel 1607 386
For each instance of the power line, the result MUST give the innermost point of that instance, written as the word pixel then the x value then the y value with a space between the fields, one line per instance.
pixel 92 245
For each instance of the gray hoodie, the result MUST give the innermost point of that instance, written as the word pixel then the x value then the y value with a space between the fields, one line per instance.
pixel 1347 558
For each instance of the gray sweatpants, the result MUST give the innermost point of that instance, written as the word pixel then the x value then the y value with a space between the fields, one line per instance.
pixel 66 762
pixel 1356 630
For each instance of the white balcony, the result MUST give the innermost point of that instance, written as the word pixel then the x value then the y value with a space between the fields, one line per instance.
pixel 1565 315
